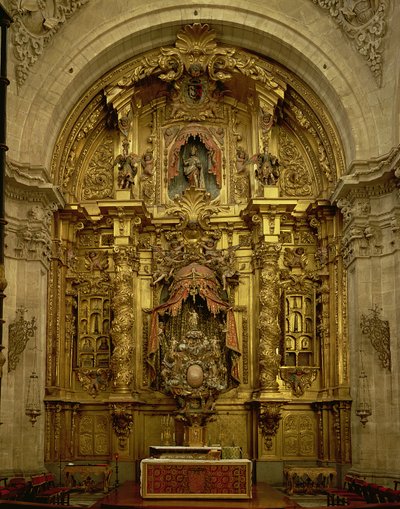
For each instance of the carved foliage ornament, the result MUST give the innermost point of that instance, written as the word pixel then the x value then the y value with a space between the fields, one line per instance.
pixel 378 331
pixel 298 379
pixel 19 333
pixel 364 23
pixel 94 380
pixel 268 420
pixel 35 24
pixel 122 423
pixel 196 52
pixel 195 206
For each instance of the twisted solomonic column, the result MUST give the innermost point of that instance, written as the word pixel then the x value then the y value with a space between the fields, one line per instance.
pixel 266 257
pixel 124 320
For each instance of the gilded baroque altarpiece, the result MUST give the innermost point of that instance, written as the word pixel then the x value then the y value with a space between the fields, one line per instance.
pixel 197 292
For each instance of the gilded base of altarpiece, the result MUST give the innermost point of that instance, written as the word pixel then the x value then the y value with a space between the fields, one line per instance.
pixel 216 479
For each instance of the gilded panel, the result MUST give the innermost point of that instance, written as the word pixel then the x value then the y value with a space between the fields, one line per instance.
pixel 299 435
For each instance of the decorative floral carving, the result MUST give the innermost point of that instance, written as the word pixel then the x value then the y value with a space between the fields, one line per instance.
pixel 268 323
pixel 19 333
pixel 269 419
pixel 98 179
pixel 122 325
pixel 361 241
pixel 364 23
pixel 378 331
pixel 94 380
pixel 122 423
pixel 35 24
pixel 295 179
pixel 298 379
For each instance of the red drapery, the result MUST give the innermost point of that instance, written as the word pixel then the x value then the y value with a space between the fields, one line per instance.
pixel 195 279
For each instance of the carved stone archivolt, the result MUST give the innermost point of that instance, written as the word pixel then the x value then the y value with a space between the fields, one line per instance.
pixel 34 25
pixel 365 24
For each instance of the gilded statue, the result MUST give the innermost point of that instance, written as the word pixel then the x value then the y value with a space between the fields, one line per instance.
pixel 193 168
pixel 127 167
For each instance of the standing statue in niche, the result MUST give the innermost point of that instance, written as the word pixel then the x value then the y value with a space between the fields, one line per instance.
pixel 267 171
pixel 192 168
pixel 127 167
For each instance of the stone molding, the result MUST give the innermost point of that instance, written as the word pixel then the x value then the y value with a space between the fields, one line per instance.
pixel 368 199
pixel 32 201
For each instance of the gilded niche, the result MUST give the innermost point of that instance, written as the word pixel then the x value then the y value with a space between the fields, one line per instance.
pixel 193 347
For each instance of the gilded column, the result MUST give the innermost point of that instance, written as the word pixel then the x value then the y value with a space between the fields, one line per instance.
pixel 122 325
pixel 267 255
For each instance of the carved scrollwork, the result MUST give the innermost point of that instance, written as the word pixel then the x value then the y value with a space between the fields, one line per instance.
pixel 35 24
pixel 122 423
pixel 298 379
pixel 268 420
pixel 196 52
pixel 378 331
pixel 364 23
pixel 19 333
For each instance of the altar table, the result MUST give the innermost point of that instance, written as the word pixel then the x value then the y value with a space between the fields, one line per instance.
pixel 308 479
pixel 174 478
pixel 85 472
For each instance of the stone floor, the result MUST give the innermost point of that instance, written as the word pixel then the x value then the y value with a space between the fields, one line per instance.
pixel 80 498
pixel 83 499
pixel 306 500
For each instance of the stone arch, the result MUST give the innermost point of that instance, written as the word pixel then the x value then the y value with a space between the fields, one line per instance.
pixel 306 118
pixel 117 38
